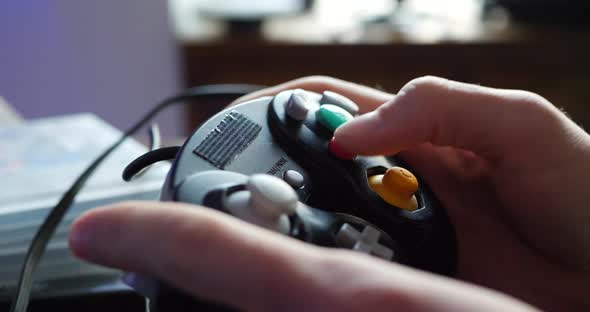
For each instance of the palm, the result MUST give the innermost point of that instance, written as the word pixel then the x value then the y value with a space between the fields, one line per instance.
pixel 490 251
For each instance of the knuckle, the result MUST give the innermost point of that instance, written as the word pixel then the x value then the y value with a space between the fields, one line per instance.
pixel 417 92
pixel 423 83
pixel 532 104
pixel 318 81
pixel 527 98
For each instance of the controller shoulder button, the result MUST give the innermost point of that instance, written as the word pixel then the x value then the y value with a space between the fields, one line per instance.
pixel 329 97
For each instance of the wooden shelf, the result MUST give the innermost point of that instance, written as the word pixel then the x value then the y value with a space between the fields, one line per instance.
pixel 560 72
pixel 549 61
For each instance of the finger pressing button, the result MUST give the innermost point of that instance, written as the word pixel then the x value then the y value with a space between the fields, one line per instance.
pixel 331 116
pixel 336 150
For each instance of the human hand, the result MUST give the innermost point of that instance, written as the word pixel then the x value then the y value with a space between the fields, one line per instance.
pixel 510 168
pixel 196 249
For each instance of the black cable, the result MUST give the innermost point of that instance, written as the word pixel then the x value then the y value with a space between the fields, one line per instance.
pixel 155 143
pixel 46 230
pixel 144 161
pixel 155 137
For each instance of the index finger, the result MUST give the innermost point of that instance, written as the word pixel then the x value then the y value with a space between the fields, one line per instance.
pixel 365 97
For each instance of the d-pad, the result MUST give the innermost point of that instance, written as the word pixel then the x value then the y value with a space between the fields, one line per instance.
pixel 366 241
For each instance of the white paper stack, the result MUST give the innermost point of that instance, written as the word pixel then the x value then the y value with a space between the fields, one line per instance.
pixel 39 160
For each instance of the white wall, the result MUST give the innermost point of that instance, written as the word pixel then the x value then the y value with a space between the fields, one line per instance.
pixel 110 57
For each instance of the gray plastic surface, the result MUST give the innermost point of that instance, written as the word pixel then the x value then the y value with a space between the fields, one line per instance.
pixel 263 155
pixel 194 189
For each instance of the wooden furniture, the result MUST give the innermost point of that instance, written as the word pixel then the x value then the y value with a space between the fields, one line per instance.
pixel 553 63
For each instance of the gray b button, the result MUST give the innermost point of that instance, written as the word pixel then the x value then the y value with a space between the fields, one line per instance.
pixel 294 178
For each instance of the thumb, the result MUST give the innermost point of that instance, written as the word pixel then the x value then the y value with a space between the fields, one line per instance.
pixel 221 259
pixel 489 122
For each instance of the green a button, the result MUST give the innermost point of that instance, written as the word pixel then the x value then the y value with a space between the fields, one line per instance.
pixel 331 116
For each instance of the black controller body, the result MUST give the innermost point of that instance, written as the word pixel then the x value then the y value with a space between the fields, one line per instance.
pixel 258 137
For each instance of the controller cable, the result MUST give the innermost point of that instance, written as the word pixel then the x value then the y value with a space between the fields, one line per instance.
pixel 155 143
pixel 143 162
pixel 45 232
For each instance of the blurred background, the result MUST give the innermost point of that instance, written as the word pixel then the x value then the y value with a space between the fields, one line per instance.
pixel 117 58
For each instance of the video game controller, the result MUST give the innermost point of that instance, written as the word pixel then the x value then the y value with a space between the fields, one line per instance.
pixel 272 162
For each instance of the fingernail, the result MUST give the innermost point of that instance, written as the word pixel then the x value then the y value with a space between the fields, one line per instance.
pixel 339 152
